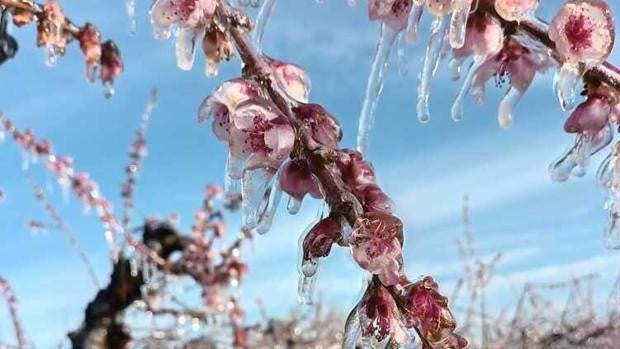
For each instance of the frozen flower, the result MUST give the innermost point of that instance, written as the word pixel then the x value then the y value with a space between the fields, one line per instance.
pixel 324 128
pixel 427 310
pixel 583 31
pixel 296 179
pixel 292 79
pixel 185 13
pixel 261 133
pixel 484 36
pixel 217 47
pixel 590 116
pixel 379 316
pixel 516 10
pixel 376 242
pixel 355 170
pixel 225 100
pixel 50 30
pixel 319 240
pixel 393 13
pixel 373 199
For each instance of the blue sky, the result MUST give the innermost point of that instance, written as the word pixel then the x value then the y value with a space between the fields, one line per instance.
pixel 547 231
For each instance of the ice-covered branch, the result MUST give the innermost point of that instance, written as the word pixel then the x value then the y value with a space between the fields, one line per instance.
pixel 6 292
pixel 54 32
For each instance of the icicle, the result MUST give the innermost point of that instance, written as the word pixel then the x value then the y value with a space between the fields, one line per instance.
pixel 609 177
pixel 269 211
pixel 234 166
pixel 507 107
pixel 186 47
pixel 413 23
pixel 293 206
pixel 374 86
pixel 433 48
pixel 130 6
pixel 352 330
pixel 108 89
pixel 401 54
pixel 458 22
pixel 212 68
pixel 457 107
pixel 478 94
pixel 133 266
pixel 566 85
pixel 254 185
pixel 454 67
pixel 574 160
pixel 307 279
pixel 261 21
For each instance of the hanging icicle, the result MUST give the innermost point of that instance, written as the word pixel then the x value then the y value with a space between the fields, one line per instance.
pixel 262 18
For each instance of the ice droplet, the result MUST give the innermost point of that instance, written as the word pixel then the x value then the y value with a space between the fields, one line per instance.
pixel 186 47
pixel 566 84
pixel 130 6
pixel 269 212
pixel 293 206
pixel 108 89
pixel 261 22
pixel 254 195
pixel 458 22
pixel 457 107
pixel 574 160
pixel 307 280
pixel 507 107
pixel 50 55
pixel 374 86
pixel 433 48
pixel 413 23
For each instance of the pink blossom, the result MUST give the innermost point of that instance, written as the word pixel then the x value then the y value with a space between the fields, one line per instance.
pixel 296 179
pixel 186 13
pixel 261 133
pixel 373 199
pixel 90 44
pixel 516 10
pixel 319 240
pixel 590 116
pixel 324 127
pixel 355 170
pixel 379 316
pixel 393 13
pixel 292 79
pixel 583 31
pixel 376 242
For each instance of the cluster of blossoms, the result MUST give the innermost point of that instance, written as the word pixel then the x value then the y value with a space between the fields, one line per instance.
pixel 54 32
pixel 280 142
pixel 502 41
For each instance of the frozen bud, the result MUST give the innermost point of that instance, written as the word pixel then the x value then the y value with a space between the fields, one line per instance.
pixel 296 179
pixel 394 13
pixel 292 79
pixel 583 31
pixel 217 47
pixel 439 8
pixel 379 316
pixel 325 128
pixel 427 310
pixel 228 96
pixel 373 199
pixel 50 30
pixel 484 36
pixel 376 242
pixel 516 10
pixel 90 44
pixel 261 133
pixel 355 170
pixel 318 242
pixel 590 116
pixel 186 13
pixel 111 62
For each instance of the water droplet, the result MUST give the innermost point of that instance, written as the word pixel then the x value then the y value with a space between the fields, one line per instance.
pixel 507 107
pixel 566 84
pixel 293 206
pixel 433 48
pixel 374 86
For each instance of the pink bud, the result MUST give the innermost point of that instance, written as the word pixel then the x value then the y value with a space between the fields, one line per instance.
pixel 590 116
pixel 318 242
pixel 325 128
pixel 297 180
